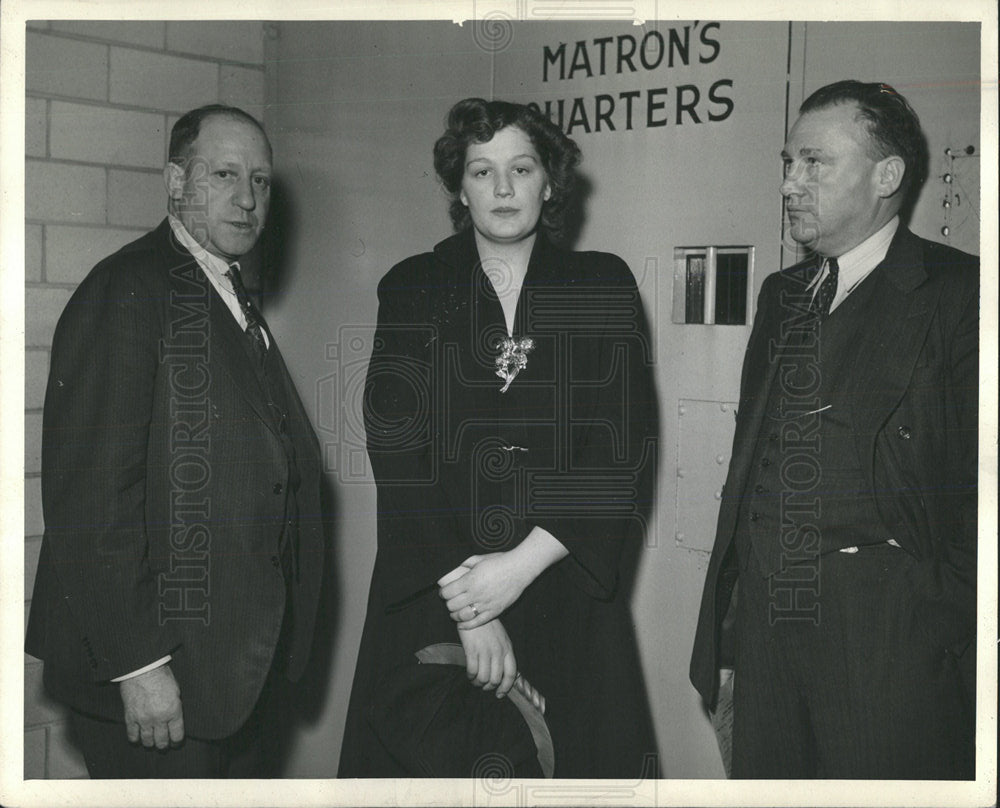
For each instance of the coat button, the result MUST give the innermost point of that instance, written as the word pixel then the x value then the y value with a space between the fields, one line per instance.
pixel 765 462
pixel 278 488
pixel 754 516
pixel 759 489
pixel 904 432
pixel 275 561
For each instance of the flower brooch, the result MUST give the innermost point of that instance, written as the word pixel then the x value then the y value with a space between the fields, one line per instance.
pixel 513 358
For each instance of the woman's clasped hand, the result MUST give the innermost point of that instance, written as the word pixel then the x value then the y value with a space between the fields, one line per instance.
pixel 482 588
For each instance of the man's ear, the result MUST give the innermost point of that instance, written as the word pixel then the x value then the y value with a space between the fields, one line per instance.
pixel 173 178
pixel 889 175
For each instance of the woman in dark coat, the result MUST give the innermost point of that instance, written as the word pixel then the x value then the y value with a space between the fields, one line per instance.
pixel 511 425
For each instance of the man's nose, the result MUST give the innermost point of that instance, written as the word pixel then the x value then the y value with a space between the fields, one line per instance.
pixel 792 184
pixel 243 195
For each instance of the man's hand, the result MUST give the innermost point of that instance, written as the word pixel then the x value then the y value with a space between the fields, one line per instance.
pixel 489 657
pixel 153 708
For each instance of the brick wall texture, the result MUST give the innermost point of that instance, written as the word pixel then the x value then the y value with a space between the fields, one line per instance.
pixel 100 100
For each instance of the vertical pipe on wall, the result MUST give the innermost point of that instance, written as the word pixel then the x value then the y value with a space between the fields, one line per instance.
pixel 788 91
pixel 272 35
pixel 711 266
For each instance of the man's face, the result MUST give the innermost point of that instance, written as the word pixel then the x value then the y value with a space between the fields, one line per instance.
pixel 223 193
pixel 832 186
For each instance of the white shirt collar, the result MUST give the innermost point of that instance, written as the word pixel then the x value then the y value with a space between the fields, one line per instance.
pixel 215 267
pixel 215 270
pixel 858 263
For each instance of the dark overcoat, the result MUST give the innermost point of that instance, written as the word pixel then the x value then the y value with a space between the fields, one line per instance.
pixel 463 468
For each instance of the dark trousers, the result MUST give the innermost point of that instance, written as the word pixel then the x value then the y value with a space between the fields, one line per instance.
pixel 834 679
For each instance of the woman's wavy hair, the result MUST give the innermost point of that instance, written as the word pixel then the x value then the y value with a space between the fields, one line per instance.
pixel 475 120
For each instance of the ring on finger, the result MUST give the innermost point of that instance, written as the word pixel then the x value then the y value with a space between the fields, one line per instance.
pixel 475 611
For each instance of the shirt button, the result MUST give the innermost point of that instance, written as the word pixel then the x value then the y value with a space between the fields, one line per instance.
pixel 904 432
pixel 278 488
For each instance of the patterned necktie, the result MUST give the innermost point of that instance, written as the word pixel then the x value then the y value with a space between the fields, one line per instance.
pixel 828 289
pixel 254 331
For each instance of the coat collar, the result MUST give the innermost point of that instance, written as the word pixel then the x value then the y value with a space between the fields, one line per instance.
pixel 460 253
pixel 903 265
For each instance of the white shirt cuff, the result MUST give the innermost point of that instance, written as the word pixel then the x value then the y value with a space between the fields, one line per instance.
pixel 159 663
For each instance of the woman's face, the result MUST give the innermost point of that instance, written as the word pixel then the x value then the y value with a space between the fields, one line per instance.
pixel 504 186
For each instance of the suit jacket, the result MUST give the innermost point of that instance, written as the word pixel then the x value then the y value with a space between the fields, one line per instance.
pixel 165 489
pixel 914 391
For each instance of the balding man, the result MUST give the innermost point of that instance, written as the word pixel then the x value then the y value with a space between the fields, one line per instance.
pixel 180 568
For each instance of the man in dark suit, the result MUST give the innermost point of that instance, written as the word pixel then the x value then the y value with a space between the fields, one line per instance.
pixel 849 512
pixel 180 568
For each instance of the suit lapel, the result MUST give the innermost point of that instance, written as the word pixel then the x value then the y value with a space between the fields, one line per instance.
pixel 236 359
pixel 902 307
pixel 784 307
pixel 228 343
pixel 296 410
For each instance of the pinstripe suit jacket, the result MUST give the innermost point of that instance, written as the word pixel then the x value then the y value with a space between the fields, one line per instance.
pixel 164 489
pixel 915 385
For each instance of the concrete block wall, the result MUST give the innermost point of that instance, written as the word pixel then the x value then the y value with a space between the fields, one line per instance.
pixel 100 100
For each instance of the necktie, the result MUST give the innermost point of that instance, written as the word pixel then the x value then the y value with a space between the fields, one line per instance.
pixel 254 332
pixel 828 288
